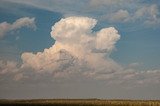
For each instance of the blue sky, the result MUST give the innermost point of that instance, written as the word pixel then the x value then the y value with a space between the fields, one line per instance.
pixel 137 23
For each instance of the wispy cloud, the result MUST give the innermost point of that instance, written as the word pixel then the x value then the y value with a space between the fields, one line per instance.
pixel 104 10
pixel 6 27
pixel 119 16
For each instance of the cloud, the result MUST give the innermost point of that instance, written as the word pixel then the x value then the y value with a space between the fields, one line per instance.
pixel 19 23
pixel 119 16
pixel 150 14
pixel 113 11
pixel 150 11
pixel 77 49
pixel 7 66
pixel 108 2
pixel 128 11
pixel 80 53
pixel 73 29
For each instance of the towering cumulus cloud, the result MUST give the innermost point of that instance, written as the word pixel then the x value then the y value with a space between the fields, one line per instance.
pixel 78 53
pixel 77 50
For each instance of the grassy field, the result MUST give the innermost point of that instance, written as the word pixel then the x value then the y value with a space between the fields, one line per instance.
pixel 79 102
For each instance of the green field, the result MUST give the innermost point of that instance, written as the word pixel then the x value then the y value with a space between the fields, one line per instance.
pixel 79 102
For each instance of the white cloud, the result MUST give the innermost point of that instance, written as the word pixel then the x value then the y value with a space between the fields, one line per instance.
pixel 4 26
pixel 150 15
pixel 104 10
pixel 77 49
pixel 19 23
pixel 119 16
pixel 73 29
pixel 8 66
pixel 119 11
pixel 151 11
pixel 106 39
pixel 109 2
pixel 79 53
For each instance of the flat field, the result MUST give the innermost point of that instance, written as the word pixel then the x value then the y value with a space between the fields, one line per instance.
pixel 78 102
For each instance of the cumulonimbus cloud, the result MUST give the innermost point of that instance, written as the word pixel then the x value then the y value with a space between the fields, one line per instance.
pixel 19 23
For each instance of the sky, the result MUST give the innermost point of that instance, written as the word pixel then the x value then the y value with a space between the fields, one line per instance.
pixel 106 49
